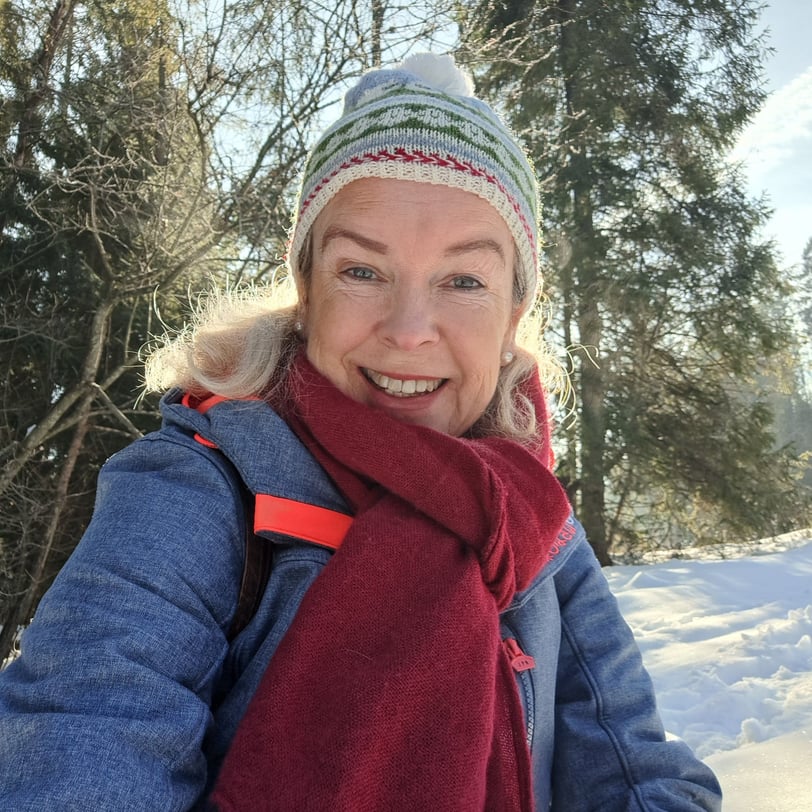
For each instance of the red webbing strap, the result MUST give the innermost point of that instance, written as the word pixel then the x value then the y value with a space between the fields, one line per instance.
pixel 300 520
pixel 202 405
pixel 271 513
pixel 286 516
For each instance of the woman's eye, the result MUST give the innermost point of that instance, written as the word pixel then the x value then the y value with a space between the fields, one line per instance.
pixel 466 283
pixel 360 273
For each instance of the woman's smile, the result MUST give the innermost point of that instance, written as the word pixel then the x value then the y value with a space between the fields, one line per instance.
pixel 409 303
pixel 402 387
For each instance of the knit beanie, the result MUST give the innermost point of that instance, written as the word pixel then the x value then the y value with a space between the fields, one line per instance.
pixel 419 121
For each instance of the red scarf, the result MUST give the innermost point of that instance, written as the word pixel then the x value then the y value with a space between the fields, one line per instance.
pixel 391 690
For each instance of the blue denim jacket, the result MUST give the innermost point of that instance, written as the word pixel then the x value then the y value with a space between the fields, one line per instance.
pixel 127 692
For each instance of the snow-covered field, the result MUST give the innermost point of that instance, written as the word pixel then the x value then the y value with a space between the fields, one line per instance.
pixel 729 646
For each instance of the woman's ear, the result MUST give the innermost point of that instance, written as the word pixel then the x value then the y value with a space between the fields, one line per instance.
pixel 509 344
pixel 301 296
pixel 304 268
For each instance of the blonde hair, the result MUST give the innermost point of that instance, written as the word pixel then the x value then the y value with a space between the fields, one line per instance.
pixel 238 344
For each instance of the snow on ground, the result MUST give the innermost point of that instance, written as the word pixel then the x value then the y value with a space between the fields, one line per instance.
pixel 728 644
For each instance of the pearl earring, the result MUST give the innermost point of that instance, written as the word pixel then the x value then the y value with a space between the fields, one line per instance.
pixel 298 326
pixel 507 357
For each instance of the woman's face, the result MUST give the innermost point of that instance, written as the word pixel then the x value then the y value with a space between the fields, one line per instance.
pixel 409 306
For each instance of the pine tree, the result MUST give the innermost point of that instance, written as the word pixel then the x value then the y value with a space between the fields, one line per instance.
pixel 661 282
pixel 89 202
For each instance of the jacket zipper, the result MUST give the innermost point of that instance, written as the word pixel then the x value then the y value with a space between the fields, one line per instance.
pixel 522 663
pixel 519 661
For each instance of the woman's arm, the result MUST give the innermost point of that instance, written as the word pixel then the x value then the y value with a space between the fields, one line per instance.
pixel 108 703
pixel 610 752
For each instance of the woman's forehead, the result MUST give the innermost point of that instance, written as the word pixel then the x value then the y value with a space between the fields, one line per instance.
pixel 369 208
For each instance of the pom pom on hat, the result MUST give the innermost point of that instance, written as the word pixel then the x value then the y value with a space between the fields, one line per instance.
pixel 420 121
pixel 441 72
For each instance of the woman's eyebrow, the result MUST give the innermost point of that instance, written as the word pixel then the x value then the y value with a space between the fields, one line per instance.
pixel 336 232
pixel 475 245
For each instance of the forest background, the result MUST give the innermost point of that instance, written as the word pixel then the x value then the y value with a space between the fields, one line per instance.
pixel 150 151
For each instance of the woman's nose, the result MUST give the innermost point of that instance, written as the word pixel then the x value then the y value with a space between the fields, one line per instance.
pixel 409 322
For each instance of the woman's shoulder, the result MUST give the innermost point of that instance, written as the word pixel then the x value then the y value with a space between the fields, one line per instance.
pixel 257 443
pixel 169 464
pixel 569 549
pixel 231 443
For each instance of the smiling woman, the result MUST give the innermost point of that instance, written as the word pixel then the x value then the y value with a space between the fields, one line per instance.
pixel 415 322
pixel 435 633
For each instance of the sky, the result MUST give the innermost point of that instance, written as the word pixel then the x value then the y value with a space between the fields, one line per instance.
pixel 777 146
pixel 728 643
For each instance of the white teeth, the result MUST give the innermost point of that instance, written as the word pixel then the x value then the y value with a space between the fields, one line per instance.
pixel 402 388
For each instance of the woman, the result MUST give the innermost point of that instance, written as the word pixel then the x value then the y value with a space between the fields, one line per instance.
pixel 435 633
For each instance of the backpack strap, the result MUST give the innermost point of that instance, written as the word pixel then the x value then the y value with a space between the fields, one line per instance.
pixel 266 513
pixel 256 570
pixel 299 520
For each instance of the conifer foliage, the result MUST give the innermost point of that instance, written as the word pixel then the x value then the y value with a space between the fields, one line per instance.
pixel 661 283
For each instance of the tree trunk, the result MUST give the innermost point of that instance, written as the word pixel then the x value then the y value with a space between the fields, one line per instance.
pixel 378 16
pixel 593 439
pixel 586 273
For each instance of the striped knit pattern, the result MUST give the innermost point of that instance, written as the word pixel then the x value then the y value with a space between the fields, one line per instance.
pixel 395 124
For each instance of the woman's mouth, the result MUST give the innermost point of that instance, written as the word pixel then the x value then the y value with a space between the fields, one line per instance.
pixel 400 387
